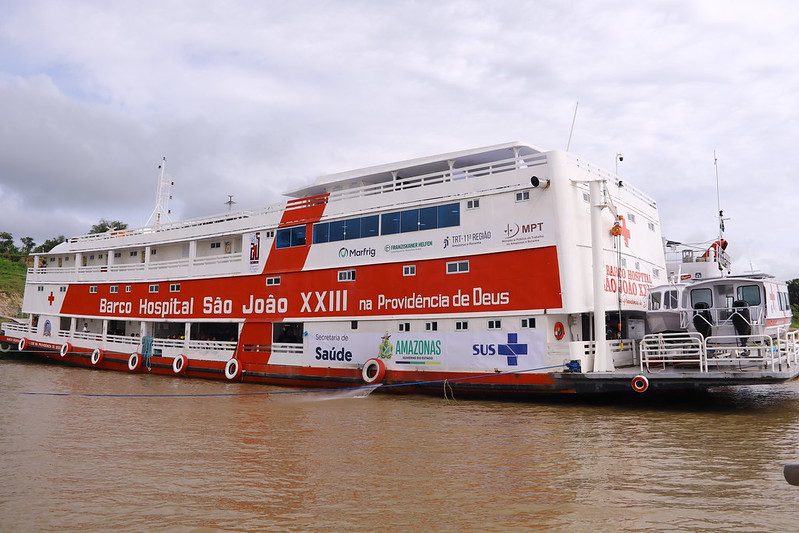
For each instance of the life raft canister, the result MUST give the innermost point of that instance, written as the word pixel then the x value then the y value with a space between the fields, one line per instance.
pixel 640 383
pixel 97 356
pixel 134 362
pixel 179 364
pixel 559 330
pixel 65 349
pixel 373 371
pixel 233 369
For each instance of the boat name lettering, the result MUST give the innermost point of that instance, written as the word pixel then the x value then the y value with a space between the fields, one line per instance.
pixel 326 301
pixel 217 306
pixel 333 354
pixel 417 347
pixel 173 306
pixel 115 308
pixel 625 273
pixel 420 301
pixel 270 305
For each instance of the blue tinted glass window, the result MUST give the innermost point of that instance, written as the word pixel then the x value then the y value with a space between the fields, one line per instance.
pixel 409 220
pixel 369 226
pixel 283 238
pixel 449 215
pixel 321 232
pixel 390 223
pixel 337 230
pixel 298 236
pixel 428 218
pixel 353 228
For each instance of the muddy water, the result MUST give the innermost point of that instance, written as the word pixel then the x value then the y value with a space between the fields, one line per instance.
pixel 157 455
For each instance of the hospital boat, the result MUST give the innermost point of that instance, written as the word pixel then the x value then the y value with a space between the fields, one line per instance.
pixel 498 271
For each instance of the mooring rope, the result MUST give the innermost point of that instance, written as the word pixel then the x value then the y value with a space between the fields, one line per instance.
pixel 446 383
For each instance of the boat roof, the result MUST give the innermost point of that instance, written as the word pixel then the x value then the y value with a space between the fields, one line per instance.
pixel 413 167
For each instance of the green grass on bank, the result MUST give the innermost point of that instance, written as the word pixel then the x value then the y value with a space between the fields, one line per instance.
pixel 12 276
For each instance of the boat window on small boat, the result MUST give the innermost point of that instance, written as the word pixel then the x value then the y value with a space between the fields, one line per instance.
pixel 703 296
pixel 288 332
pixel 749 293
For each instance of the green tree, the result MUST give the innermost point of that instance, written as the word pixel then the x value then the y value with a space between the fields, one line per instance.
pixel 793 291
pixel 7 243
pixel 107 225
pixel 27 245
pixel 49 244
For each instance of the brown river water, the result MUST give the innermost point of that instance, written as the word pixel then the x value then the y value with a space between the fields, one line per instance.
pixel 157 455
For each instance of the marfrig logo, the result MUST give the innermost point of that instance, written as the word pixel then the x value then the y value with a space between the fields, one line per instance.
pixel 351 252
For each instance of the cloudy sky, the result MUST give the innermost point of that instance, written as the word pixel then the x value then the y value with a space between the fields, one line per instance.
pixel 256 97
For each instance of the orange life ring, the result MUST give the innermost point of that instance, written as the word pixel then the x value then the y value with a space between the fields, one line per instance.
pixel 559 330
pixel 179 364
pixel 23 343
pixel 97 356
pixel 373 371
pixel 640 383
pixel 65 349
pixel 233 369
pixel 134 362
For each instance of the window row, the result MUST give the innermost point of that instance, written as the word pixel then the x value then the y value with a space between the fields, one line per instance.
pixel 425 218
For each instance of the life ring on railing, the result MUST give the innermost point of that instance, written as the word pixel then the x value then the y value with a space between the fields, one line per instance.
pixel 233 369
pixel 373 371
pixel 23 343
pixel 640 383
pixel 134 362
pixel 97 356
pixel 559 330
pixel 179 364
pixel 5 347
pixel 65 349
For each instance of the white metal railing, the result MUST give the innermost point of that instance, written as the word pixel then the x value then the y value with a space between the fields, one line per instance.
pixel 666 349
pixel 16 327
pixel 723 352
pixel 287 347
pixel 723 316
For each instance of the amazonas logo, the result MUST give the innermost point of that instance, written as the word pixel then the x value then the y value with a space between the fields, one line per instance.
pixel 354 252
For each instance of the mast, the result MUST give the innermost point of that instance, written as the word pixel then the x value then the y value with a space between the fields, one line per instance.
pixel 161 212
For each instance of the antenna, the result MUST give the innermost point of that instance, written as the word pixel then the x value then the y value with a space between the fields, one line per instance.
pixel 161 212
pixel 574 118
pixel 229 202
pixel 718 197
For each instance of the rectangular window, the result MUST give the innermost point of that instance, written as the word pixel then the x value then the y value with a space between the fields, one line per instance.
pixel 117 254
pixel 651 226
pixel 62 289
pixel 269 234
pixel 404 326
pixel 409 220
pixel 631 217
pixel 134 253
pixel 472 204
pixel 431 326
pixel 40 288
pixel 321 232
pixel 670 300
pixel 654 301
pixel 153 288
pixel 354 324
pixel 461 325
pixel 522 196
pixel 749 293
pixel 346 275
pixel 353 228
pixel 449 215
pixel 370 226
pixel 152 251
pixel 290 237
pixel 494 324
pixel 128 288
pixel 114 289
pixel 174 287
pixel 701 296
pixel 409 270
pixel 274 280
pixel 457 267
pixel 528 323
pixel 216 245
pixel 656 273
pixel 428 218
pixel 91 258
pixel 338 230
pixel 93 289
pixel 389 223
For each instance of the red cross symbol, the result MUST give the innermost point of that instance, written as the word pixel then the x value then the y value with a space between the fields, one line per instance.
pixel 51 298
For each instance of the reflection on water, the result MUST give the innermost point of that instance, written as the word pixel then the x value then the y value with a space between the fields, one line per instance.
pixel 292 462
